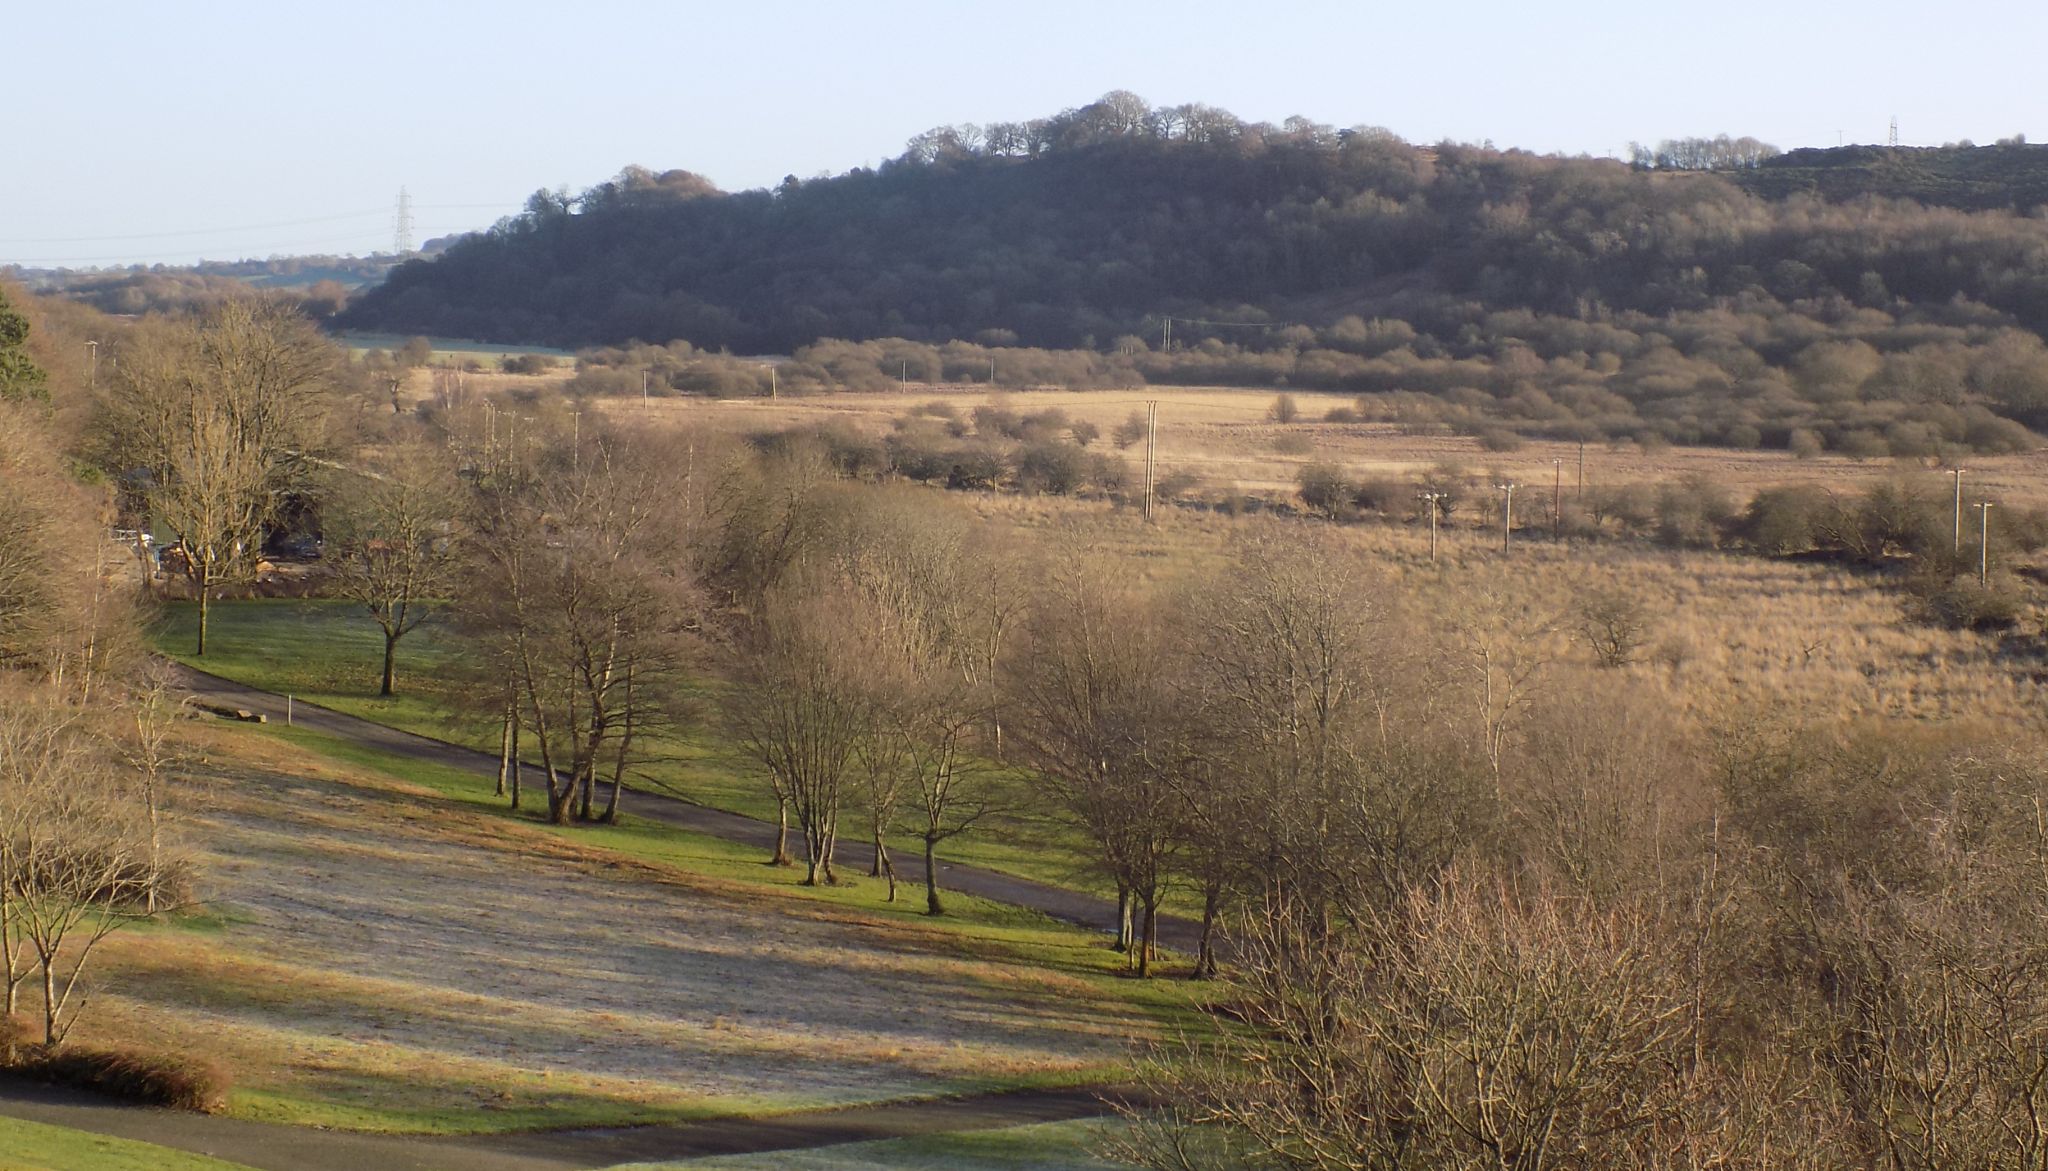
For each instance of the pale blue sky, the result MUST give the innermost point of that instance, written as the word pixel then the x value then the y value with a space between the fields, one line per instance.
pixel 138 129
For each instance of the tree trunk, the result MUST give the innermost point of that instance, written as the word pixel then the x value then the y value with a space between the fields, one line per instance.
pixel 515 760
pixel 385 689
pixel 881 854
pixel 505 753
pixel 203 615
pixel 887 864
pixel 932 905
pixel 1145 948
pixel 1205 955
pixel 1123 917
pixel 781 857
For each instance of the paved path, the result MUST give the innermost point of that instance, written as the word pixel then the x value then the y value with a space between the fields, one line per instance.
pixel 1089 911
pixel 277 1147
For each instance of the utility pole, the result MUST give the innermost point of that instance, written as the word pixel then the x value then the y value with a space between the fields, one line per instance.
pixel 1507 514
pixel 991 371
pixel 1431 498
pixel 576 439
pixel 1557 499
pixel 1983 543
pixel 1151 452
pixel 1958 474
pixel 1166 336
pixel 774 386
pixel 92 378
pixel 1582 471
pixel 903 373
pixel 643 388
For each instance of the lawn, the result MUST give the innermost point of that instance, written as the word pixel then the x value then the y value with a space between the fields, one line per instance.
pixel 32 1146
pixel 329 652
pixel 388 949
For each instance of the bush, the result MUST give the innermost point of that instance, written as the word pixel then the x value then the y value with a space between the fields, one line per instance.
pixel 1285 409
pixel 1341 415
pixel 1499 439
pixel 1084 432
pixel 1965 605
pixel 148 1079
pixel 527 364
pixel 976 466
pixel 1324 488
pixel 17 1033
pixel 1804 444
pixel 1053 467
pixel 1293 444
pixel 1176 484
pixel 1130 430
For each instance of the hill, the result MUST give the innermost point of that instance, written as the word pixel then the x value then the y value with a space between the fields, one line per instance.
pixel 2011 175
pixel 1107 221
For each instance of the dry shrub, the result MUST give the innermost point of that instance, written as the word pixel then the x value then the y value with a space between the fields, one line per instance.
pixel 147 1079
pixel 17 1033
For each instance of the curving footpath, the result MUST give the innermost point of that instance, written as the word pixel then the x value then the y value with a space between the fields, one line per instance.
pixel 277 1147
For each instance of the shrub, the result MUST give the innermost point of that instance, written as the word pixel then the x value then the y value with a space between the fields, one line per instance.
pixel 1176 484
pixel 1614 624
pixel 976 466
pixel 1965 605
pixel 1324 488
pixel 1285 409
pixel 1804 443
pixel 1293 444
pixel 148 1079
pixel 1499 439
pixel 1084 432
pixel 527 364
pixel 17 1033
pixel 1863 443
pixel 1341 415
pixel 1052 466
pixel 1130 430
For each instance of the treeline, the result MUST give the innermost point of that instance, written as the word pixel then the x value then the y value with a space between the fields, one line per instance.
pixel 1111 224
pixel 1870 388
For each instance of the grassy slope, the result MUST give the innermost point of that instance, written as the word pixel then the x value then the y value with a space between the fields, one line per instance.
pixel 1054 1146
pixel 32 1146
pixel 377 1090
pixel 328 652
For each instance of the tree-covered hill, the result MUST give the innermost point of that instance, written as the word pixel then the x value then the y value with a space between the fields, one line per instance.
pixel 1100 221
pixel 2009 176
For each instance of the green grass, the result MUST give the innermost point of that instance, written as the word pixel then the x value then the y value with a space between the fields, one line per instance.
pixel 1051 1146
pixel 329 652
pixel 33 1146
pixel 975 926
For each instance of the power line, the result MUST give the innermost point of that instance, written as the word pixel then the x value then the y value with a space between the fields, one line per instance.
pixel 354 215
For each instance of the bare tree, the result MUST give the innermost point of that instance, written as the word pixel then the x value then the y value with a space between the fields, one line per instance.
pixel 799 708
pixel 391 541
pixel 219 412
pixel 1097 720
pixel 72 857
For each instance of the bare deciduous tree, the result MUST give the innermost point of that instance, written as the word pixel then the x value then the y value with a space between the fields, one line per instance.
pixel 391 542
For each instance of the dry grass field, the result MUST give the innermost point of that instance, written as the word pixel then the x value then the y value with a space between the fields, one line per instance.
pixel 1227 439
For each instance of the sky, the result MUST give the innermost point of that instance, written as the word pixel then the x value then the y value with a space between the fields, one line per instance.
pixel 166 133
